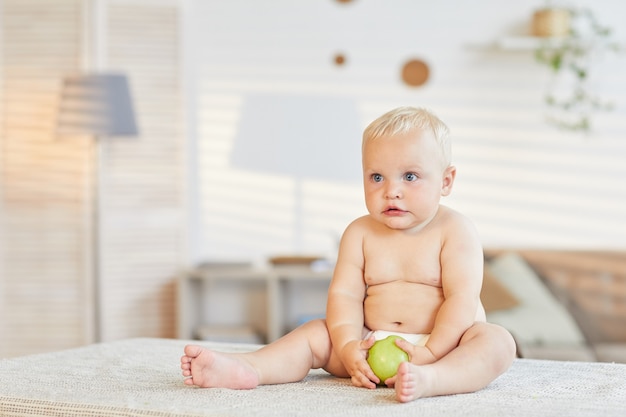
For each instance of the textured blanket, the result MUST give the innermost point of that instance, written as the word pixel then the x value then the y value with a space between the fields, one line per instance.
pixel 141 377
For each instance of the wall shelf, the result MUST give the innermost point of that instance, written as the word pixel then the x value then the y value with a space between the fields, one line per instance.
pixel 530 43
pixel 516 43
pixel 525 43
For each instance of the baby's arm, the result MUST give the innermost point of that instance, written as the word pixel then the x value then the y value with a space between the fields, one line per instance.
pixel 344 312
pixel 461 276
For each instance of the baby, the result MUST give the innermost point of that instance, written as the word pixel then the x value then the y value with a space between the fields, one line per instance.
pixel 410 267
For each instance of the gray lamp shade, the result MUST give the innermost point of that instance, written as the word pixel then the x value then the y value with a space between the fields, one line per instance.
pixel 97 105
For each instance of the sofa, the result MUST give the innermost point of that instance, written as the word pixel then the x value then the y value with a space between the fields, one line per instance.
pixel 559 304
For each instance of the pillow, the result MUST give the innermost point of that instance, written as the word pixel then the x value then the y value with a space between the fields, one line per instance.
pixel 539 319
pixel 494 295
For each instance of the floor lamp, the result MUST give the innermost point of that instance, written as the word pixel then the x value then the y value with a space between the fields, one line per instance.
pixel 98 106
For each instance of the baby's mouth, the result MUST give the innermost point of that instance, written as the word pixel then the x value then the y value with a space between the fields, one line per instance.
pixel 393 210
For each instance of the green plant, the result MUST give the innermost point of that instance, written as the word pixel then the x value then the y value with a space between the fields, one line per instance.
pixel 570 97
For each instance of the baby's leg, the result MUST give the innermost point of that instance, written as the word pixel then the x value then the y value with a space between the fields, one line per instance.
pixel 485 352
pixel 288 359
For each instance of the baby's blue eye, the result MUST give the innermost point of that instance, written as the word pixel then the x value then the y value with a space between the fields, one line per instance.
pixel 377 177
pixel 410 176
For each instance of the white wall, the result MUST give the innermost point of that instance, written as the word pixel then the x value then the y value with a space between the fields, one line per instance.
pixel 273 111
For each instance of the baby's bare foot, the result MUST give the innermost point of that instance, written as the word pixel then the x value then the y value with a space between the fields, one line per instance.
pixel 411 382
pixel 208 369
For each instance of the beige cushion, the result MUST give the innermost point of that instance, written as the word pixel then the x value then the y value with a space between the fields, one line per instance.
pixel 494 295
pixel 539 318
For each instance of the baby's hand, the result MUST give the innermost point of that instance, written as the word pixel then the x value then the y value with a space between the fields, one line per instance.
pixel 418 355
pixel 354 359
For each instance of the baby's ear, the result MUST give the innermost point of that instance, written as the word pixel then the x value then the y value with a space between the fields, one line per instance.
pixel 448 180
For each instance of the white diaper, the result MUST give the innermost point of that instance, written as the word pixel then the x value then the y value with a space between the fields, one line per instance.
pixel 415 339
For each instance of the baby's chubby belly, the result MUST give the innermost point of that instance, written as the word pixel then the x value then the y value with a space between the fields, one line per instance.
pixel 402 306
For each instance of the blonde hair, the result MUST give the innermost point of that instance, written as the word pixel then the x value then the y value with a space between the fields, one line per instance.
pixel 405 119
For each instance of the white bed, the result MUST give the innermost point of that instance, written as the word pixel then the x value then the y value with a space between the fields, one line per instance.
pixel 141 377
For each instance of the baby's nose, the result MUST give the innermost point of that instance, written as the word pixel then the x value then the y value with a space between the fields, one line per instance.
pixel 393 191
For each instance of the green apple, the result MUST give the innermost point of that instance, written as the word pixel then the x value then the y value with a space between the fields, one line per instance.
pixel 385 356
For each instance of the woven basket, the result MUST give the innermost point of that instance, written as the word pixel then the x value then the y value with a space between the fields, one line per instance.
pixel 551 22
